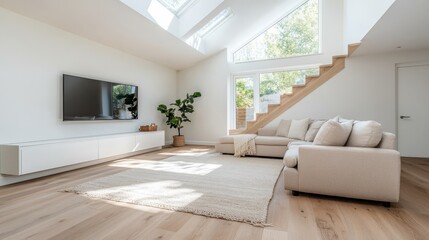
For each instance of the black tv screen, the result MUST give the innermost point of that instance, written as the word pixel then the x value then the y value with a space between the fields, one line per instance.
pixel 87 99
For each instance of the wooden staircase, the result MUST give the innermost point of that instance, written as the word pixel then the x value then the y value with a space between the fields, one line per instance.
pixel 300 91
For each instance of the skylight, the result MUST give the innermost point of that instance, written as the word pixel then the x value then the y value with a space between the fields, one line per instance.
pixel 176 6
pixel 215 22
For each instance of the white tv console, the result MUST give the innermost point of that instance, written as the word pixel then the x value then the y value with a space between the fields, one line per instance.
pixel 25 158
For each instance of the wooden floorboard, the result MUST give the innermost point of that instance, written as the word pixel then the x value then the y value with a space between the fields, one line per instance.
pixel 37 209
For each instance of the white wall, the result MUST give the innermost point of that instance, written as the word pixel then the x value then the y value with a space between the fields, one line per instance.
pixel 365 89
pixel 210 77
pixel 33 57
pixel 360 16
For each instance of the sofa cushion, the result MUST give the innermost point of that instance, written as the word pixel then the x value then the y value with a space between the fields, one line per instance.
pixel 333 133
pixel 298 129
pixel 272 140
pixel 298 143
pixel 365 134
pixel 283 128
pixel 291 157
pixel 313 129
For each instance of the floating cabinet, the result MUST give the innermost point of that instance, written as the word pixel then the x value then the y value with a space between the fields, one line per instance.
pixel 25 158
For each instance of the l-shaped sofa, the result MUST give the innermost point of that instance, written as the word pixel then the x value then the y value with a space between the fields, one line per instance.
pixel 338 157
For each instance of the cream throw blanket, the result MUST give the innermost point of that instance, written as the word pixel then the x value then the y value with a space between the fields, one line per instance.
pixel 244 144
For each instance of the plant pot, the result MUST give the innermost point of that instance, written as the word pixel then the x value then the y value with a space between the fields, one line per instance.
pixel 178 141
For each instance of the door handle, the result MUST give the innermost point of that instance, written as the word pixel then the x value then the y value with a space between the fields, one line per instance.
pixel 404 117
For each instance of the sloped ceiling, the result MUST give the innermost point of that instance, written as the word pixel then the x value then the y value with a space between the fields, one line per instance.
pixel 112 23
pixel 403 27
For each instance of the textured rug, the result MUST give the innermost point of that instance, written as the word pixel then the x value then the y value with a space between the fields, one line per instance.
pixel 213 185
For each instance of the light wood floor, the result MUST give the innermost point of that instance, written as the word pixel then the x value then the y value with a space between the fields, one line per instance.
pixel 36 210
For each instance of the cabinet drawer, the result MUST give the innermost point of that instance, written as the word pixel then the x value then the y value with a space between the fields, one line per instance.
pixel 43 157
pixel 116 146
pixel 150 140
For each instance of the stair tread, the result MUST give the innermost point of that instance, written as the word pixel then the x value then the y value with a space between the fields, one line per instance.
pixel 339 56
pixel 326 65
pixel 313 76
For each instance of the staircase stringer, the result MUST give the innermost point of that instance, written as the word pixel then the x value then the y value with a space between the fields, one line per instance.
pixel 299 92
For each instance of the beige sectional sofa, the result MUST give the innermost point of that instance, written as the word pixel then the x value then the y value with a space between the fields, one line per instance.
pixel 345 158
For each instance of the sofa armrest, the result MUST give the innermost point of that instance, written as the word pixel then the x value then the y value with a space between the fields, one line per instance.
pixel 369 173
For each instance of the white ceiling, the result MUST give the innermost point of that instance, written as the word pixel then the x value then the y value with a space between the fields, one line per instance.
pixel 404 25
pixel 113 23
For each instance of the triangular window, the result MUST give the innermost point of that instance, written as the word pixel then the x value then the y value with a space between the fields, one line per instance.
pixel 296 34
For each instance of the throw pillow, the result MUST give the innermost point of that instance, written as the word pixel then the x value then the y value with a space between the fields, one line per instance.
pixel 283 128
pixel 313 129
pixel 298 128
pixel 333 133
pixel 365 134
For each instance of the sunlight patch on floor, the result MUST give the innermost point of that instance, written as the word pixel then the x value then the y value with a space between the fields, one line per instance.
pixel 194 168
pixel 151 192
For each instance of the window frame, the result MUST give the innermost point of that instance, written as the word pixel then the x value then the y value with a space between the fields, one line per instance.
pixel 319 22
pixel 256 77
pixel 180 10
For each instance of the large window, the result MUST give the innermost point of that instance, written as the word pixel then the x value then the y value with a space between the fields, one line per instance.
pixel 295 35
pixel 253 92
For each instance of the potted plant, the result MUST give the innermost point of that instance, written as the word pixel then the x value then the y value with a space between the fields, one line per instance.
pixel 175 121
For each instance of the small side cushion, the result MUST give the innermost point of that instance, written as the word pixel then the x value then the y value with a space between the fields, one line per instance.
pixel 291 157
pixel 313 130
pixel 365 134
pixel 298 129
pixel 283 128
pixel 333 133
pixel 227 139
pixel 388 141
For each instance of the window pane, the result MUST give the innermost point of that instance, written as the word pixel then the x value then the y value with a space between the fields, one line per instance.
pixel 274 84
pixel 174 5
pixel 244 109
pixel 296 34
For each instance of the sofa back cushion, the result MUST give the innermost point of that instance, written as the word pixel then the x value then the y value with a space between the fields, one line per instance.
pixel 283 128
pixel 313 130
pixel 267 131
pixel 298 129
pixel 365 134
pixel 333 133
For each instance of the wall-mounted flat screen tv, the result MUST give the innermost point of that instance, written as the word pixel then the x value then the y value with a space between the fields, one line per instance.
pixel 87 99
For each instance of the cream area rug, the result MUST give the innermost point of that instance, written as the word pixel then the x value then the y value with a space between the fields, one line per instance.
pixel 213 185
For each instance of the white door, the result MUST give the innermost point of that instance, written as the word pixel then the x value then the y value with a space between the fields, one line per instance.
pixel 413 110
